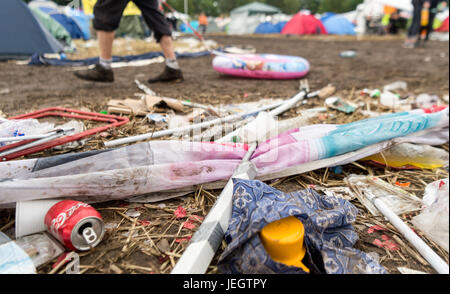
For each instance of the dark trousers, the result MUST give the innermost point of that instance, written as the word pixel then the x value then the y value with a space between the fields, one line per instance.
pixel 414 29
pixel 107 15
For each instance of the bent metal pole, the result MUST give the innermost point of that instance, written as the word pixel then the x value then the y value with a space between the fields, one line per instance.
pixel 284 104
pixel 205 242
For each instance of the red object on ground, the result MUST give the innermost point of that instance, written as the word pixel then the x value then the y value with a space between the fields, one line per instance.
pixel 375 228
pixel 434 109
pixel 75 224
pixel 304 24
pixel 113 120
pixel 189 225
pixel 180 212
pixel 444 26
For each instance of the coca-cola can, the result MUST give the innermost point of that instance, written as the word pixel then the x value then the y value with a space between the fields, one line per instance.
pixel 75 224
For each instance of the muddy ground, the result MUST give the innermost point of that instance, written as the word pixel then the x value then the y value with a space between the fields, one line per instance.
pixel 378 62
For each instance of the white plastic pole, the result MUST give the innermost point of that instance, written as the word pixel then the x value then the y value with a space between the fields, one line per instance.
pixel 190 127
pixel 205 242
pixel 435 260
pixel 282 108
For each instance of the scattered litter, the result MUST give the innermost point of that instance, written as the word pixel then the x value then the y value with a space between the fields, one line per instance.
pixel 396 198
pixel 404 185
pixel 426 101
pixel 348 54
pixel 394 101
pixel 399 85
pixel 386 243
pixel 408 271
pixel 134 213
pixel 180 212
pixel 40 247
pixel 189 225
pixel 342 192
pixel 163 245
pixel 327 91
pixel 5 91
pixel 157 118
pixel 340 104
pixel 407 155
pixel 14 260
pixel 111 226
pixel 434 219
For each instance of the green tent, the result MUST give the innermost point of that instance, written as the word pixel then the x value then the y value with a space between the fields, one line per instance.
pixel 255 8
pixel 131 26
pixel 54 27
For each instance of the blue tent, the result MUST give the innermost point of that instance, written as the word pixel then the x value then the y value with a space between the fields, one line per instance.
pixel 266 28
pixel 73 20
pixel 326 16
pixel 280 25
pixel 21 33
pixel 339 25
pixel 82 20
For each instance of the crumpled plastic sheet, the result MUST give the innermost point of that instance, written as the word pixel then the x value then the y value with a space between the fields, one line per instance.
pixel 329 235
pixel 167 165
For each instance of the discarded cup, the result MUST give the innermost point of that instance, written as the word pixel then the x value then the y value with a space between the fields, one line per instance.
pixel 30 216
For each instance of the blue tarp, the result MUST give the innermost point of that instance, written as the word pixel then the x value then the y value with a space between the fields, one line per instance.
pixel 186 29
pixel 266 28
pixel 38 59
pixel 339 25
pixel 21 34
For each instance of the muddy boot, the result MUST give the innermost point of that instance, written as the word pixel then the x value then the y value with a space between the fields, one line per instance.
pixel 97 73
pixel 168 75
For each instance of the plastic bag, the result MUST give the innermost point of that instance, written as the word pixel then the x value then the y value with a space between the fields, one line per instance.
pixel 433 221
pixel 406 154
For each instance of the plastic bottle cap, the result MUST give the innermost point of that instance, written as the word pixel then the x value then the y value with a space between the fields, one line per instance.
pixel 103 112
pixel 283 240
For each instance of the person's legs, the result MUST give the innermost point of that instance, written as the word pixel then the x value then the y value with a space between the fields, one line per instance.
pixel 158 23
pixel 430 25
pixel 107 15
pixel 414 29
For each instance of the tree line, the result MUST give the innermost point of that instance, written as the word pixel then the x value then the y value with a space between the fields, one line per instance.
pixel 219 7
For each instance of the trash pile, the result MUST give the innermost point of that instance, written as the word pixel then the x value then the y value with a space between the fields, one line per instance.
pixel 158 184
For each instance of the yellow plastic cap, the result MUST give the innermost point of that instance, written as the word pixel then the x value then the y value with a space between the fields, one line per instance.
pixel 283 240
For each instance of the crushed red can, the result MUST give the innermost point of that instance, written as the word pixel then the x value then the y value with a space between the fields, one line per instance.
pixel 75 224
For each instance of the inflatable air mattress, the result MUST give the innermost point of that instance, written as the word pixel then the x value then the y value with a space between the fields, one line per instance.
pixel 261 66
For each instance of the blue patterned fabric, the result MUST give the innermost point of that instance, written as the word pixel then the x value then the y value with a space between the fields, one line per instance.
pixel 329 235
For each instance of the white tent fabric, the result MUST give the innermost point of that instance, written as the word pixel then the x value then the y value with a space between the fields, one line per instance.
pixel 242 23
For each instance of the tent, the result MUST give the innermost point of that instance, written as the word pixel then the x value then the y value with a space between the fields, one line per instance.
pixel 304 24
pixel 132 26
pixel 245 19
pixel 267 28
pixel 280 26
pixel 444 26
pixel 22 33
pixel 255 8
pixel 54 27
pixel 326 16
pixel 74 21
pixel 339 25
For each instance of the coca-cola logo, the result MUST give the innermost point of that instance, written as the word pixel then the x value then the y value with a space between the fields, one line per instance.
pixel 61 219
